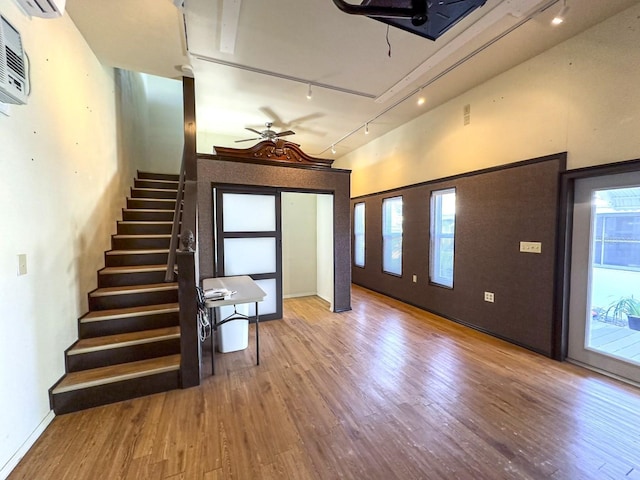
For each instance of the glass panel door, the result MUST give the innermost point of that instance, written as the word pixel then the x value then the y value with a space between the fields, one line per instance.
pixel 249 242
pixel 604 326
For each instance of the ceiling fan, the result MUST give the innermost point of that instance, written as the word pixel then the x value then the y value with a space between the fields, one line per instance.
pixel 267 134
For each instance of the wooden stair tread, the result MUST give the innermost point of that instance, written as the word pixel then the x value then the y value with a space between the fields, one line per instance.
pixel 116 373
pixel 151 287
pixel 115 313
pixel 148 189
pixel 143 235
pixel 146 251
pixel 154 199
pixel 105 342
pixel 147 210
pixel 132 269
pixel 145 222
pixel 158 180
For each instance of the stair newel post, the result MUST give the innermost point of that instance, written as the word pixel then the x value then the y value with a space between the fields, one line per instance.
pixel 189 339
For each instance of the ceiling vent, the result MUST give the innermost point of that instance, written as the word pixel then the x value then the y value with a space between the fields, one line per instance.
pixel 43 8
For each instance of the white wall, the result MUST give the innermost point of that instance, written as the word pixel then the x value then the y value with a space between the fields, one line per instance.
pixel 165 127
pixel 152 109
pixel 581 96
pixel 299 232
pixel 63 182
pixel 324 252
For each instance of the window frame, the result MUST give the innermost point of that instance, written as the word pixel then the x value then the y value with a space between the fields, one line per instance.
pixel 359 237
pixel 436 235
pixel 391 235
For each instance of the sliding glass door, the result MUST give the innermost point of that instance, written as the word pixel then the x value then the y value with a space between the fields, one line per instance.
pixel 249 242
pixel 605 275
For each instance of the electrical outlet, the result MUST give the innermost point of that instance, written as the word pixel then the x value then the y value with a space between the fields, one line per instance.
pixel 489 297
pixel 22 264
pixel 531 247
pixel 415 279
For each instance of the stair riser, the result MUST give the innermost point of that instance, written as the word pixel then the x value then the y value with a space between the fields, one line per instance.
pixel 114 392
pixel 109 302
pixel 124 279
pixel 128 324
pixel 144 228
pixel 139 243
pixel 133 353
pixel 158 176
pixel 125 260
pixel 149 204
pixel 155 184
pixel 140 193
pixel 136 216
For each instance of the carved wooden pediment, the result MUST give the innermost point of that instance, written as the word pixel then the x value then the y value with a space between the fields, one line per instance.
pixel 274 151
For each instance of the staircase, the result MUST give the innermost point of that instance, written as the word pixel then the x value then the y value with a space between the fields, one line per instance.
pixel 129 341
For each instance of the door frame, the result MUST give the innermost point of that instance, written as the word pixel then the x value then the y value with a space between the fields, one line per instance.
pixel 565 240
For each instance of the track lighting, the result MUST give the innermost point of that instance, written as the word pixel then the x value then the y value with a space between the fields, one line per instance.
pixel 333 149
pixel 559 18
pixel 309 93
pixel 366 129
pixel 421 101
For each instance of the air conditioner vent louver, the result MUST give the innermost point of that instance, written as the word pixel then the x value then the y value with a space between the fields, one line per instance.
pixel 3 62
pixel 14 62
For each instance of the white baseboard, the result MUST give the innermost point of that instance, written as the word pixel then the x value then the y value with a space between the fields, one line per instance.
pixel 296 295
pixel 24 448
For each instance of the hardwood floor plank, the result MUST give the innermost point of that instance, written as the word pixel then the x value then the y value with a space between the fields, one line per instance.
pixel 385 391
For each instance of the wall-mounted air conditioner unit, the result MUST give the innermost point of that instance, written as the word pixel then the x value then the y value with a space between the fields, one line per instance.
pixel 13 78
pixel 43 8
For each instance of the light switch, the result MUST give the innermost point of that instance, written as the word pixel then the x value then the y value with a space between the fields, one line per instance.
pixel 22 264
pixel 531 247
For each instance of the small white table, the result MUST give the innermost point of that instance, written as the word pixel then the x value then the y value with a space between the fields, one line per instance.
pixel 247 291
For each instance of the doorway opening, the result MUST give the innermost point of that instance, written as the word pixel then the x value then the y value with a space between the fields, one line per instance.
pixel 307 245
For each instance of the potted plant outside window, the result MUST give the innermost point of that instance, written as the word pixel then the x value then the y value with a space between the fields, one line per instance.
pixel 626 306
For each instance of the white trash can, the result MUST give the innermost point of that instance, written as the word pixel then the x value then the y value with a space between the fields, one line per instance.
pixel 233 335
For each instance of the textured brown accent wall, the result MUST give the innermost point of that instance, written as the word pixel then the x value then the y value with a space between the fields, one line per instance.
pixel 495 210
pixel 214 170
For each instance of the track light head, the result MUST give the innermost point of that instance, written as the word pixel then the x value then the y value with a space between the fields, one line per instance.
pixel 309 93
pixel 560 16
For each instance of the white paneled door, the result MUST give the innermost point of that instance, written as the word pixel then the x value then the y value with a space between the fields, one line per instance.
pixel 248 241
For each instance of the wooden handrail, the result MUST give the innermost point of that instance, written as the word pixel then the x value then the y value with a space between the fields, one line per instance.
pixel 175 229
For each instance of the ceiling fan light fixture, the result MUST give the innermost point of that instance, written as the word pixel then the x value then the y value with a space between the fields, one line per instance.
pixel 309 93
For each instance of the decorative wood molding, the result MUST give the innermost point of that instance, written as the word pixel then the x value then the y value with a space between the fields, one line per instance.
pixel 269 151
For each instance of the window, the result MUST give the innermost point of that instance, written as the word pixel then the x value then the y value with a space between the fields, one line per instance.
pixel 617 240
pixel 358 234
pixel 443 222
pixel 392 235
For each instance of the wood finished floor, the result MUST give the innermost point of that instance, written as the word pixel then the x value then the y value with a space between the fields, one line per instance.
pixel 385 391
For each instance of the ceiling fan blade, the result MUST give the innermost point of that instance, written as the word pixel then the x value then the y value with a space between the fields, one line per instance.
pixel 253 130
pixel 248 140
pixel 284 134
pixel 275 118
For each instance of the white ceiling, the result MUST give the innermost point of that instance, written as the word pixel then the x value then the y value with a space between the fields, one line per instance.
pixel 283 45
